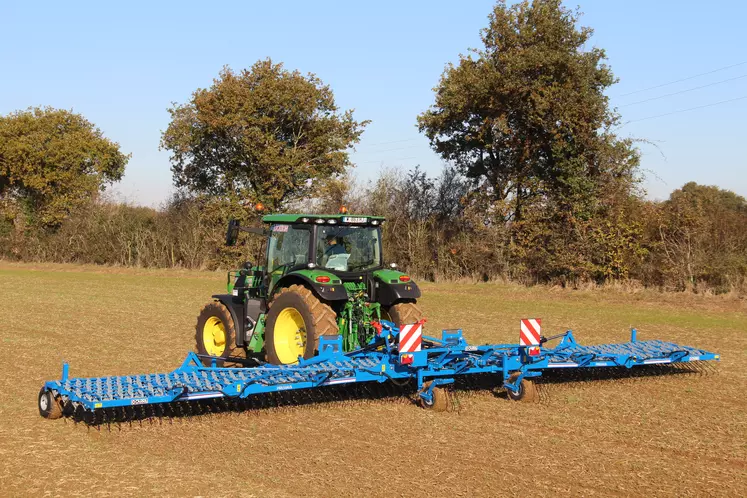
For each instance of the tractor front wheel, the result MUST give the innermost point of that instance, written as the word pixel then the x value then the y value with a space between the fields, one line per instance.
pixel 215 334
pixel 402 313
pixel 296 320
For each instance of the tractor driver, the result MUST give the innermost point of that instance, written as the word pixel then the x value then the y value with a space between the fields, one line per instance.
pixel 333 247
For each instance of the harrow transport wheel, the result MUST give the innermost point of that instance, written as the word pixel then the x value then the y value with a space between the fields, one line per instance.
pixel 215 334
pixel 402 313
pixel 441 400
pixel 296 320
pixel 527 390
pixel 49 406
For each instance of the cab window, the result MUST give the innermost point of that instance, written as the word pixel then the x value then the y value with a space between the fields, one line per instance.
pixel 288 246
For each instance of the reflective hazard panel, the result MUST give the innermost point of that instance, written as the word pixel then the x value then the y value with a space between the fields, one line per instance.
pixel 411 337
pixel 531 331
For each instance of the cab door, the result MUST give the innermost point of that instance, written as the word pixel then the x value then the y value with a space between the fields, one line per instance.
pixel 288 248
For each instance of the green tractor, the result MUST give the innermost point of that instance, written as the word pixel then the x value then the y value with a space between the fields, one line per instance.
pixel 323 275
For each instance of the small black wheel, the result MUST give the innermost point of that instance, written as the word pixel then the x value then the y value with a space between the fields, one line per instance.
pixel 527 390
pixel 441 400
pixel 49 406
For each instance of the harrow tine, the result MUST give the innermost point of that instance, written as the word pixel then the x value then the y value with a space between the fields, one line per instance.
pixel 105 419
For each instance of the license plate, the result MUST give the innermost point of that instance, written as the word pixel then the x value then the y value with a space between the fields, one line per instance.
pixel 352 219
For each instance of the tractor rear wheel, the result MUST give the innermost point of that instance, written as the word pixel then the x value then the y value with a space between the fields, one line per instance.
pixel 402 313
pixel 296 320
pixel 215 334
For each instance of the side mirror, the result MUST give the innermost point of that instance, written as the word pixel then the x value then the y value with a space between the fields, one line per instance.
pixel 245 268
pixel 232 234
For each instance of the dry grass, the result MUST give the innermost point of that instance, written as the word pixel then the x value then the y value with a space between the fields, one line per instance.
pixel 673 435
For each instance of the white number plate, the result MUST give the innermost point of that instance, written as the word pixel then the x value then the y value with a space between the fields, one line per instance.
pixel 352 219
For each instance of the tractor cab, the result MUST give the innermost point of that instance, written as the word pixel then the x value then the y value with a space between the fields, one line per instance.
pixel 340 246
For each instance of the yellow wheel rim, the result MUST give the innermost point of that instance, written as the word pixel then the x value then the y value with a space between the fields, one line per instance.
pixel 214 336
pixel 385 315
pixel 289 336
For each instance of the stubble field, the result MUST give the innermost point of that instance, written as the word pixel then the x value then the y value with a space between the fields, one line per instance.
pixel 671 435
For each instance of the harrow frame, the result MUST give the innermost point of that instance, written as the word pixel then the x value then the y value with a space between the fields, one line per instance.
pixel 438 363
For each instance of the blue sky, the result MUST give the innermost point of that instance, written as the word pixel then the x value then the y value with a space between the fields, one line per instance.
pixel 121 65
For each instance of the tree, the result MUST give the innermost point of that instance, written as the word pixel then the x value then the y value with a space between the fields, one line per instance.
pixel 53 161
pixel 527 116
pixel 263 135
pixel 702 238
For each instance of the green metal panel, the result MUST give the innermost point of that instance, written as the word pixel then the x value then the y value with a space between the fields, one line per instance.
pixel 257 341
pixel 312 273
pixel 387 275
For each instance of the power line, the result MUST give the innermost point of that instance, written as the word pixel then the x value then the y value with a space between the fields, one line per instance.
pixel 390 142
pixel 685 91
pixel 387 150
pixel 686 110
pixel 390 159
pixel 682 79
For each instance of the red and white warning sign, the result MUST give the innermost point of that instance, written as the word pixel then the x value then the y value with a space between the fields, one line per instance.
pixel 411 337
pixel 531 331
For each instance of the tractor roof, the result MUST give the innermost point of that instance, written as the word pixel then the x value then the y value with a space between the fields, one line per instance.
pixel 353 219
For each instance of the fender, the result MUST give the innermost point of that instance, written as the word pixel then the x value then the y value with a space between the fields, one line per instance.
pixel 332 291
pixel 388 294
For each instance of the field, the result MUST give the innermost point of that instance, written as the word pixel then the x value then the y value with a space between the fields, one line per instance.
pixel 673 435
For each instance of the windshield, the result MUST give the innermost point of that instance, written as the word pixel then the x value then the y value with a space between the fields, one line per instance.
pixel 348 248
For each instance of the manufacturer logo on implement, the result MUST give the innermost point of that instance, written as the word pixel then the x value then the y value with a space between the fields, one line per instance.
pixel 139 401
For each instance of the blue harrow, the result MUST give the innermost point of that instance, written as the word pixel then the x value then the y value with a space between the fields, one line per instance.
pixel 432 365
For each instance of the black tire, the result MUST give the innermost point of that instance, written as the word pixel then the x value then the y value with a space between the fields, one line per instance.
pixel 210 315
pixel 318 317
pixel 49 406
pixel 527 390
pixel 441 399
pixel 402 313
